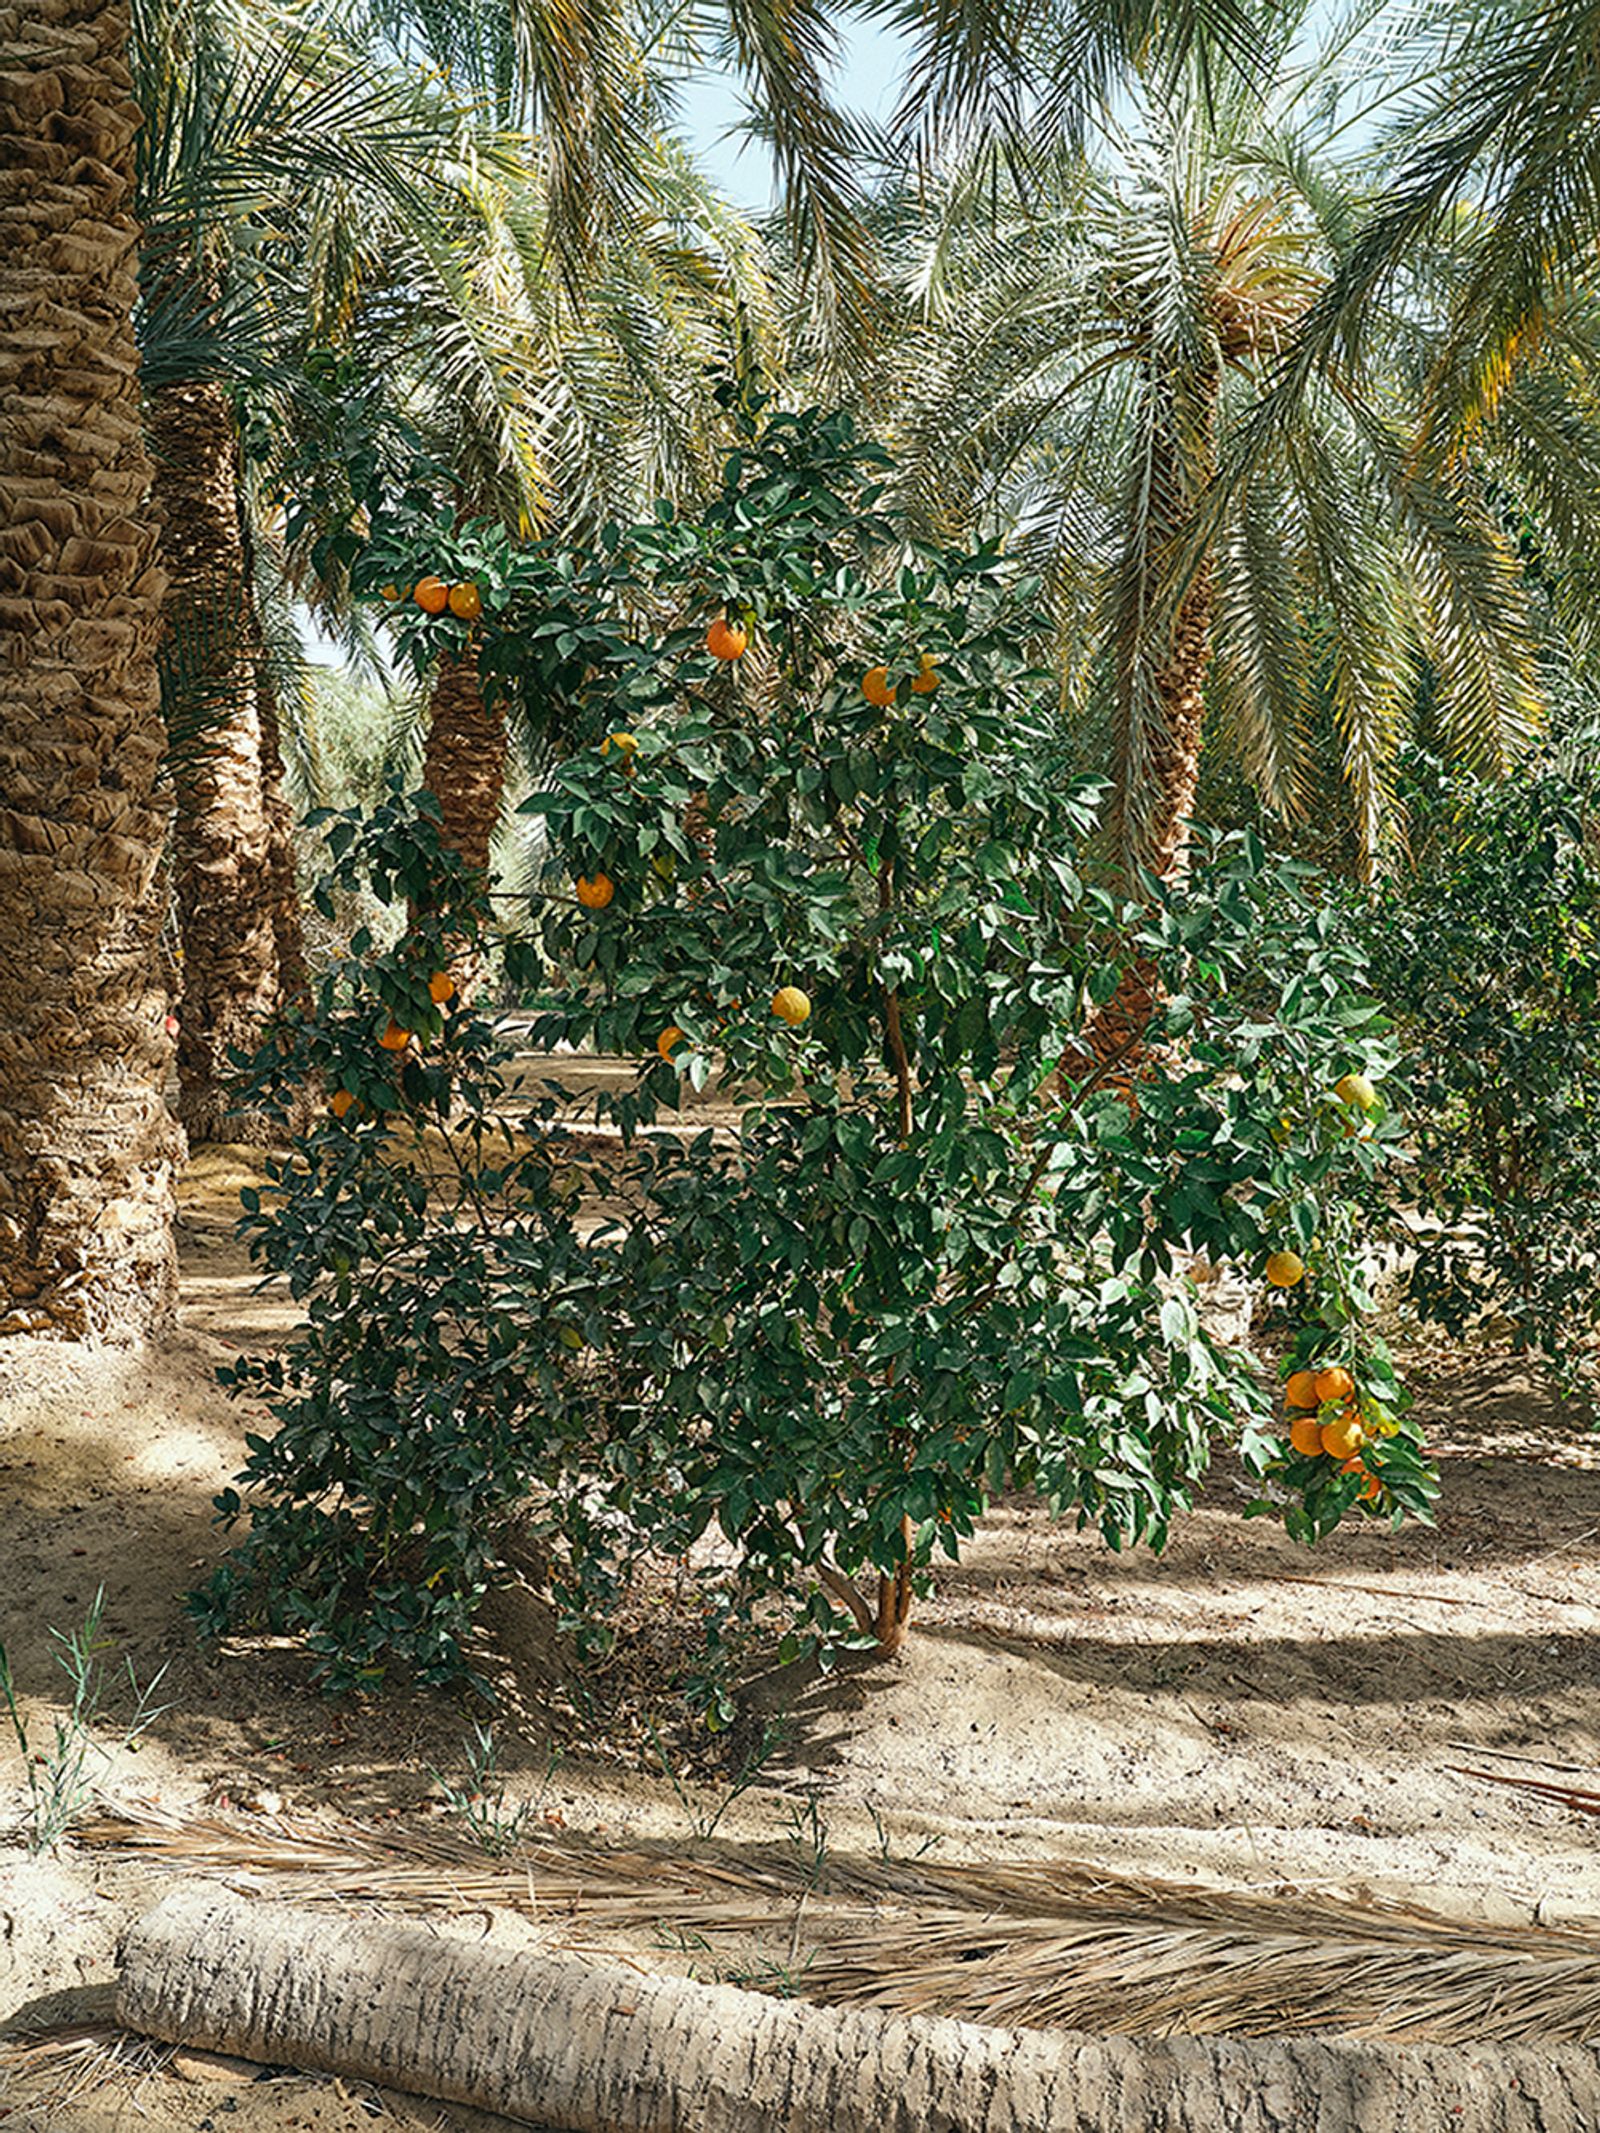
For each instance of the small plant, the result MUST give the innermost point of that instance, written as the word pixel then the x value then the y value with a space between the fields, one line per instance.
pixel 704 1822
pixel 808 1833
pixel 60 1781
pixel 481 1802
pixel 883 1841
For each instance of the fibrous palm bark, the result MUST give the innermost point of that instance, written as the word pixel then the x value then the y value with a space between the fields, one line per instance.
pixel 590 2044
pixel 87 1147
pixel 464 764
pixel 214 659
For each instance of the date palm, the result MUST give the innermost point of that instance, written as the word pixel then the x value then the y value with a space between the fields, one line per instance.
pixel 87 1150
pixel 1098 339
pixel 279 173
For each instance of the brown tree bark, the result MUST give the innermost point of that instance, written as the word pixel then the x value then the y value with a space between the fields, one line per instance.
pixel 591 2045
pixel 1156 784
pixel 464 764
pixel 214 659
pixel 87 1147
pixel 1175 760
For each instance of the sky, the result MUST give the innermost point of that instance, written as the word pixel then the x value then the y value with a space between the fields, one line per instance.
pixel 866 82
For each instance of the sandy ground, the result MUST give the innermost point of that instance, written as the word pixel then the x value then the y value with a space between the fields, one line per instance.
pixel 1236 1713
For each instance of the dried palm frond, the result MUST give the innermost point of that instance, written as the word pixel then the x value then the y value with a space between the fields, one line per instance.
pixel 1053 1944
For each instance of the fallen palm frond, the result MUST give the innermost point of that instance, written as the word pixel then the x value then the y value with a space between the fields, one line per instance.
pixel 1045 1944
pixel 1580 1801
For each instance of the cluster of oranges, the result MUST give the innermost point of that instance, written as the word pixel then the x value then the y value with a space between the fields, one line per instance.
pixel 434 595
pixel 728 641
pixel 1309 1396
pixel 879 691
pixel 395 1037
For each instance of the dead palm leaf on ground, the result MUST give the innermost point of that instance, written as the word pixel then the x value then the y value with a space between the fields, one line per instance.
pixel 1052 1944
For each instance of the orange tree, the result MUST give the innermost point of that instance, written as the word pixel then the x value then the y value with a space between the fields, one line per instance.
pixel 817 834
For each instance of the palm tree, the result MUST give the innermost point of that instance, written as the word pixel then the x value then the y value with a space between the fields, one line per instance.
pixel 511 405
pixel 87 1149
pixel 1494 154
pixel 1098 336
pixel 278 174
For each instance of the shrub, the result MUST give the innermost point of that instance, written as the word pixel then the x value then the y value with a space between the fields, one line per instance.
pixel 942 1250
pixel 1489 959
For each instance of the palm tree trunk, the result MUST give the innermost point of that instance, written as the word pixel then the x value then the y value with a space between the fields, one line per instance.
pixel 464 765
pixel 1175 753
pixel 1162 664
pixel 283 891
pixel 1160 729
pixel 87 1147
pixel 212 661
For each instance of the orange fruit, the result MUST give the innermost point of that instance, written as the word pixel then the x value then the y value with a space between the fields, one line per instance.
pixel 926 680
pixel 340 1102
pixel 1344 1435
pixel 595 891
pixel 625 744
pixel 1305 1435
pixel 669 1039
pixel 466 601
pixel 1301 1390
pixel 1355 1089
pixel 790 1005
pixel 440 986
pixel 725 639
pixel 1372 1491
pixel 391 592
pixel 394 1038
pixel 875 687
pixel 1284 1269
pixel 1334 1384
pixel 432 595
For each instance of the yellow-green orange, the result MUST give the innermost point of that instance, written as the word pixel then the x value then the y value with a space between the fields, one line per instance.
pixel 1284 1269
pixel 790 1005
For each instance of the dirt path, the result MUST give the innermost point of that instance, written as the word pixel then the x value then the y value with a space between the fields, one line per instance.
pixel 1236 1713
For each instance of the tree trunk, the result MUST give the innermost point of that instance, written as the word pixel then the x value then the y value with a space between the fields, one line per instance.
pixel 1160 727
pixel 212 660
pixel 1175 756
pixel 590 2046
pixel 1161 685
pixel 87 1148
pixel 464 765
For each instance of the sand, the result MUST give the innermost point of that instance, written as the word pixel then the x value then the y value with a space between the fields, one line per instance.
pixel 1235 1713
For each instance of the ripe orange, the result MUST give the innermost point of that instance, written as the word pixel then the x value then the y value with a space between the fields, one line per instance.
pixel 790 1005
pixel 1344 1435
pixel 926 680
pixel 1301 1390
pixel 466 601
pixel 440 986
pixel 1284 1269
pixel 394 1038
pixel 595 891
pixel 340 1102
pixel 1334 1384
pixel 625 744
pixel 726 640
pixel 432 595
pixel 875 687
pixel 1305 1435
pixel 391 592
pixel 669 1039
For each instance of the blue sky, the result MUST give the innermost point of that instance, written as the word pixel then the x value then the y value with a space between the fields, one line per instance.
pixel 867 81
